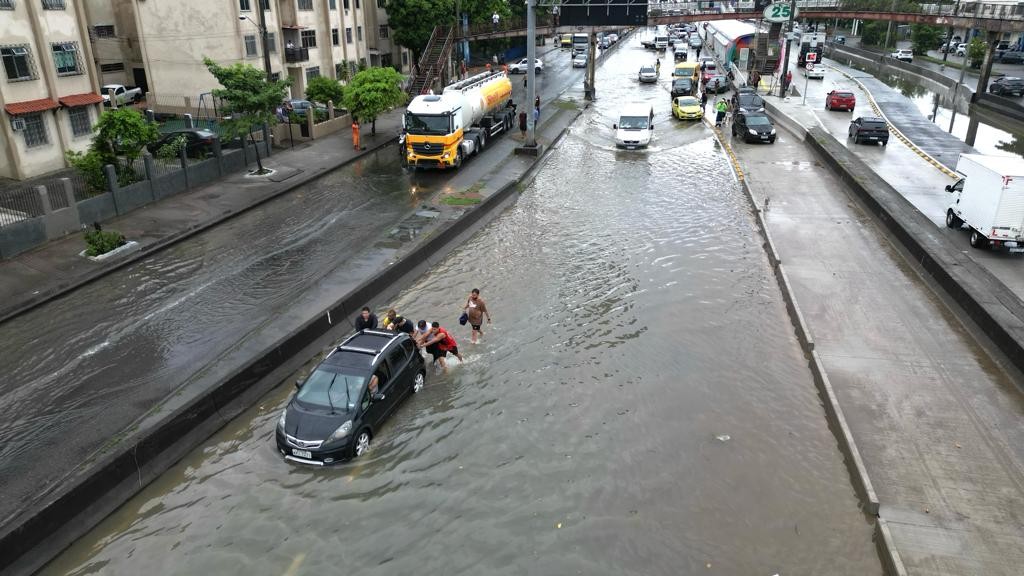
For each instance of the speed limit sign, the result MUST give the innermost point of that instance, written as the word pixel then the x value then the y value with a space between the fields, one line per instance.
pixel 811 57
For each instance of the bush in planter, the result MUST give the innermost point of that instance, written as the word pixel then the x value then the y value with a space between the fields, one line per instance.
pixel 100 241
pixel 90 165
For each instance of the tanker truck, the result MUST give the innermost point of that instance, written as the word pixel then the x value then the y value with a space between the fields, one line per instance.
pixel 442 130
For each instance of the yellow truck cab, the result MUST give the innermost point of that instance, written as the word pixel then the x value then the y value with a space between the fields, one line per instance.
pixel 565 41
pixel 687 70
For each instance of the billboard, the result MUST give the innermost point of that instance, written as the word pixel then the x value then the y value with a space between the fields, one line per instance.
pixel 603 13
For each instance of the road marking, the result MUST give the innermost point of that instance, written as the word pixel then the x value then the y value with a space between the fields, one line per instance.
pixel 895 131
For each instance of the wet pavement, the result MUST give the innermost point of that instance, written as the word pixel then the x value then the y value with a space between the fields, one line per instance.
pixel 639 406
pixel 87 369
pixel 934 417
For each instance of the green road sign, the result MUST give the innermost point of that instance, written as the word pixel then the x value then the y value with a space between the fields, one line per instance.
pixel 778 12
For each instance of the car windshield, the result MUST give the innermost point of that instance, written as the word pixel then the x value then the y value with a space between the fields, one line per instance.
pixel 758 121
pixel 633 122
pixel 874 125
pixel 331 390
pixel 687 101
pixel 748 100
pixel 647 70
pixel 426 124
pixel 844 94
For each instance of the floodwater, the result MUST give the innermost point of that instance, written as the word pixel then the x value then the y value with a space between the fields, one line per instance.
pixel 640 404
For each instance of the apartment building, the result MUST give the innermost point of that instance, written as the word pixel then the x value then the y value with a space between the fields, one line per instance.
pixel 160 45
pixel 49 89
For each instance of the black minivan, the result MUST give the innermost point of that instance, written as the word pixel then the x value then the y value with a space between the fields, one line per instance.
pixel 333 415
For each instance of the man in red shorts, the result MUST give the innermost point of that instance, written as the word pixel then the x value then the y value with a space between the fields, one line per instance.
pixel 440 343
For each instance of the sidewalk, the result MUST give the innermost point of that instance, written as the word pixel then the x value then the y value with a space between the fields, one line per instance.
pixel 34 277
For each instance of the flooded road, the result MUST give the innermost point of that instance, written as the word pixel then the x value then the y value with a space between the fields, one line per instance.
pixel 640 404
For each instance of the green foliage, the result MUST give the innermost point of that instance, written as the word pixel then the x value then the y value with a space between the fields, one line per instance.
pixel 249 97
pixel 924 38
pixel 172 149
pixel 412 21
pixel 102 241
pixel 873 33
pixel 341 70
pixel 323 90
pixel 373 92
pixel 976 52
pixel 319 115
pixel 90 164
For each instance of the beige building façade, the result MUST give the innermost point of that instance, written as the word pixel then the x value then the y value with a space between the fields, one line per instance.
pixel 49 89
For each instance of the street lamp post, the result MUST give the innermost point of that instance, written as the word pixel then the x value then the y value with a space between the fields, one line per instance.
pixel 262 26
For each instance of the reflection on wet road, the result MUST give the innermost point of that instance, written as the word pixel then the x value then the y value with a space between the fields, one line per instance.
pixel 639 406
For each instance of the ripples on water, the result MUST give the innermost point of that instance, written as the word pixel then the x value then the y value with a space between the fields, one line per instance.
pixel 635 319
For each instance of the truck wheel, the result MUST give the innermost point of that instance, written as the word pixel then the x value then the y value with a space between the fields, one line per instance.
pixel 458 158
pixel 952 221
pixel 977 240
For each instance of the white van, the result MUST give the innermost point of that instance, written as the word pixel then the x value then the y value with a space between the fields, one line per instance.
pixel 635 126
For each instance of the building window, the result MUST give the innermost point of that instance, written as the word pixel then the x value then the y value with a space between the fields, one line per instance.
pixel 385 60
pixel 115 67
pixel 305 4
pixel 357 4
pixel 65 58
pixel 80 124
pixel 308 38
pixel 271 43
pixel 405 58
pixel 250 45
pixel 334 37
pixel 275 76
pixel 6 4
pixel 312 72
pixel 17 63
pixel 345 4
pixel 35 130
pixel 265 4
pixel 359 33
pixel 105 31
pixel 352 69
pixel 348 35
pixel 382 31
pixel 332 5
pixel 382 3
pixel 53 4
pixel 244 5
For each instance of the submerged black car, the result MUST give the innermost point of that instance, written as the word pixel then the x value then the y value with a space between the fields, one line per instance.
pixel 753 127
pixel 333 415
pixel 682 87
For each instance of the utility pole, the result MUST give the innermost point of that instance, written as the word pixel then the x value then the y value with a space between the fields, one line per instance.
pixel 531 75
pixel 789 40
pixel 956 92
pixel 265 37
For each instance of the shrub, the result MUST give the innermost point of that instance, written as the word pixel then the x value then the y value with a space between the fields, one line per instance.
pixel 172 150
pixel 102 241
pixel 90 164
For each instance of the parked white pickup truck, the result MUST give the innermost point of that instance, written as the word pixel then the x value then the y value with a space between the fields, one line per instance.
pixel 122 94
pixel 903 54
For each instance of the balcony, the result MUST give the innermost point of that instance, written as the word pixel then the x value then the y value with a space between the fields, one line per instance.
pixel 292 55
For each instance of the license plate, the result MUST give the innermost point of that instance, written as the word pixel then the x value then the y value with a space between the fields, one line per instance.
pixel 630 147
pixel 872 137
pixel 1016 249
pixel 764 137
pixel 302 453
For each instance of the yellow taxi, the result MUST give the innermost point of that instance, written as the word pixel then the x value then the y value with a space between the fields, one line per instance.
pixel 687 108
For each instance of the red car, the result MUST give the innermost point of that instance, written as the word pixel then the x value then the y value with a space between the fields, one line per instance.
pixel 840 100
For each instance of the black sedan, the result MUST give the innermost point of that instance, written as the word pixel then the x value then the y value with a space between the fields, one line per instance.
pixel 198 142
pixel 1007 86
pixel 682 87
pixel 753 127
pixel 748 102
pixel 339 408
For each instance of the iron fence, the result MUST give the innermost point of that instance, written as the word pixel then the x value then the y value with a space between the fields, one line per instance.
pixel 19 204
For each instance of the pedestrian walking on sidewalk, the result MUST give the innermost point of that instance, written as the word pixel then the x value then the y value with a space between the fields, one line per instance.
pixel 698 52
pixel 522 123
pixel 495 19
pixel 536 116
pixel 720 109
pixel 789 80
pixel 476 309
pixel 355 135
pixel 754 80
pixel 704 99
pixel 536 103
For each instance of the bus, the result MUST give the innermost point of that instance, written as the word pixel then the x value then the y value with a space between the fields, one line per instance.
pixel 661 38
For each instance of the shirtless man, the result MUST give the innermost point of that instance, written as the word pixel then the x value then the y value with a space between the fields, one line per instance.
pixel 476 309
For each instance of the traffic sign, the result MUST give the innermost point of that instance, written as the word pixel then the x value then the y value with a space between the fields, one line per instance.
pixel 778 12
pixel 811 57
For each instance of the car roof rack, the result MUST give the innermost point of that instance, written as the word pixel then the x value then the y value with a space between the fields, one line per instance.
pixel 378 332
pixel 357 349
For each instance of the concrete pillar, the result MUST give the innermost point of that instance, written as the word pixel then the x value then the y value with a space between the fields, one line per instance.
pixel 44 200
pixel 111 175
pixel 986 65
pixel 183 158
pixel 972 132
pixel 589 91
pixel 189 123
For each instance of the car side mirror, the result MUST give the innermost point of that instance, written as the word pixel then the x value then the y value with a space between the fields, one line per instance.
pixel 298 383
pixel 949 187
pixel 615 126
pixel 377 397
pixel 652 126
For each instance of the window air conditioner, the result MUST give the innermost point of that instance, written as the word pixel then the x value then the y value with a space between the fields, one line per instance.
pixel 18 124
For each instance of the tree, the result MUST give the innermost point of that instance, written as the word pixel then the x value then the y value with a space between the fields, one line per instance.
pixel 924 38
pixel 251 99
pixel 121 136
pixel 323 90
pixel 372 92
pixel 872 33
pixel 412 21
pixel 976 52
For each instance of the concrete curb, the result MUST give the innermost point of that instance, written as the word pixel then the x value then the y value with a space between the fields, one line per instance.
pixel 887 549
pixel 38 535
pixel 168 241
pixel 833 412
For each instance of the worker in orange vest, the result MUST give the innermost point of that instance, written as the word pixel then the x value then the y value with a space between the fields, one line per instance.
pixel 355 134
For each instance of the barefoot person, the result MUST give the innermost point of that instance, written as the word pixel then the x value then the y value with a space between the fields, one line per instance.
pixel 476 309
pixel 439 343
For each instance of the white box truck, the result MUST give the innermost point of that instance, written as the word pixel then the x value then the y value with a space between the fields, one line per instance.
pixel 989 199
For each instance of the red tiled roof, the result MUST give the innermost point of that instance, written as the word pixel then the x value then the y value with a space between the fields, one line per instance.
pixel 30 106
pixel 81 99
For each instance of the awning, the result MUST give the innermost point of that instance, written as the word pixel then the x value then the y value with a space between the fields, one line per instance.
pixel 293 27
pixel 30 106
pixel 83 99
